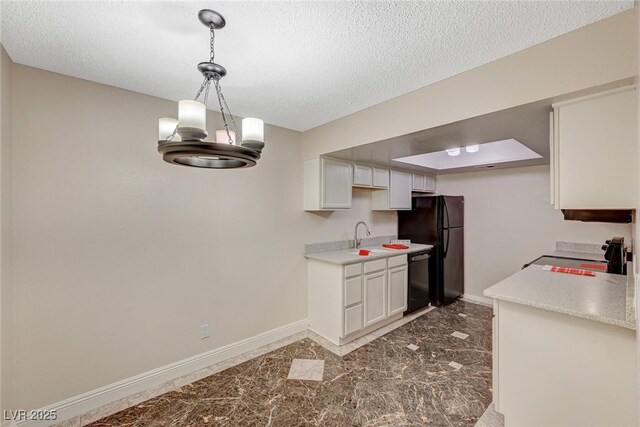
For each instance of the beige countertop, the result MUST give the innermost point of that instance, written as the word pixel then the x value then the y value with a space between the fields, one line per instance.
pixel 350 256
pixel 604 298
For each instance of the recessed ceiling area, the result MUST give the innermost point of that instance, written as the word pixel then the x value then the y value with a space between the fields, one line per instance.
pixel 527 124
pixel 487 154
pixel 295 64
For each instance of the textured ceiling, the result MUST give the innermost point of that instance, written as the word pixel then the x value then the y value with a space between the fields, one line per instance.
pixel 294 64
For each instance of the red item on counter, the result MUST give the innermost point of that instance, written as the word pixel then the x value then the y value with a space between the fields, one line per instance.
pixel 569 270
pixel 364 252
pixel 596 266
pixel 395 246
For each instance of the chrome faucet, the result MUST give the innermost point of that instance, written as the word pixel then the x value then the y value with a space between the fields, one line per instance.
pixel 356 241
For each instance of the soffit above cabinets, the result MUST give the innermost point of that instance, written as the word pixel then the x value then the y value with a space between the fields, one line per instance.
pixel 527 124
pixel 295 64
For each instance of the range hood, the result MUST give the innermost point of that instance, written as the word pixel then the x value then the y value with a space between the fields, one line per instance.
pixel 599 215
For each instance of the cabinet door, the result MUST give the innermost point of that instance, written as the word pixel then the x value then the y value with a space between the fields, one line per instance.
pixel 397 290
pixel 381 178
pixel 352 291
pixel 400 190
pixel 362 175
pixel 375 289
pixel 352 319
pixel 430 184
pixel 417 182
pixel 596 149
pixel 336 184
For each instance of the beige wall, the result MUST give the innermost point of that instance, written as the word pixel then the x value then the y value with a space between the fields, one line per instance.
pixel 636 234
pixel 6 284
pixel 119 257
pixel 600 53
pixel 509 221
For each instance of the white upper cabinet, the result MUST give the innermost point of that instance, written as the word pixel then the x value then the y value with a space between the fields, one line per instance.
pixel 423 183
pixel 400 190
pixel 380 178
pixel 593 151
pixel 417 182
pixel 327 184
pixel 397 197
pixel 429 183
pixel 362 175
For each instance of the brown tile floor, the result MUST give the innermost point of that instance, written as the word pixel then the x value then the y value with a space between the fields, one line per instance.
pixel 380 384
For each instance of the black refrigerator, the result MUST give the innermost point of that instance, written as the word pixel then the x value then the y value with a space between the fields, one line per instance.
pixel 438 221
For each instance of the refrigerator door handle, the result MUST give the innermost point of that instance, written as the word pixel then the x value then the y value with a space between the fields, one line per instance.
pixel 446 247
pixel 446 210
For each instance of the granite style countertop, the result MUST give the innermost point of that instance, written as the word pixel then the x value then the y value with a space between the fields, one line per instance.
pixel 606 298
pixel 578 255
pixel 347 256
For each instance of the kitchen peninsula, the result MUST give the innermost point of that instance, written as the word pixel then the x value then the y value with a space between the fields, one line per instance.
pixel 563 347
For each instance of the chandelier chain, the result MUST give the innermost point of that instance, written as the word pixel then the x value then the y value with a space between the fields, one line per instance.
pixel 206 92
pixel 224 101
pixel 204 84
pixel 216 82
pixel 213 36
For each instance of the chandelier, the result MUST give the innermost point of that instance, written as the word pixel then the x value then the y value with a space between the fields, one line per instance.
pixel 182 141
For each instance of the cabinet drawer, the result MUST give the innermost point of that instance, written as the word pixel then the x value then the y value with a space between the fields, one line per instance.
pixel 352 291
pixel 352 319
pixel 352 270
pixel 395 261
pixel 371 266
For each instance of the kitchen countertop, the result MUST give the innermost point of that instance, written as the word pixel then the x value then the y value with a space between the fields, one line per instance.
pixel 345 257
pixel 578 255
pixel 604 298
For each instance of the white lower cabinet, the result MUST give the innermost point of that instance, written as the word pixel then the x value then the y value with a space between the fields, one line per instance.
pixel 347 301
pixel 397 281
pixel 375 285
pixel 352 319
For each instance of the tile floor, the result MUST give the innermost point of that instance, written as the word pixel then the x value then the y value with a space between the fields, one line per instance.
pixel 384 383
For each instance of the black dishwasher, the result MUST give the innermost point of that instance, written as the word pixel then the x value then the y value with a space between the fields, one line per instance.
pixel 418 294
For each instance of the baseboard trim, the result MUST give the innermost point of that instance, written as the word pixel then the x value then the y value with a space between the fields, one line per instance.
pixel 112 398
pixel 478 300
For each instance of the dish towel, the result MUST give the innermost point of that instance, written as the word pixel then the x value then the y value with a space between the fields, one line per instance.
pixel 569 270
pixel 395 246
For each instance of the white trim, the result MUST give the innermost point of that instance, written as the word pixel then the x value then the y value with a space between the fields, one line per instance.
pixel 100 397
pixel 478 300
pixel 594 95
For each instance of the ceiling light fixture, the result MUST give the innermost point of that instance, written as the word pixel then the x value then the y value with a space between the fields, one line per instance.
pixel 472 148
pixel 453 151
pixel 182 141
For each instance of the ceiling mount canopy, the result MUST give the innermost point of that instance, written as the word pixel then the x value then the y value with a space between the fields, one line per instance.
pixel 181 141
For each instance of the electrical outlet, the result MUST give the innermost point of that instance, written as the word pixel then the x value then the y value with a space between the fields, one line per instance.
pixel 204 331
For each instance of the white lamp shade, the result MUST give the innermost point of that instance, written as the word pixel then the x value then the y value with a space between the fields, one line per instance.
pixel 192 114
pixel 223 138
pixel 453 151
pixel 166 127
pixel 472 148
pixel 252 130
